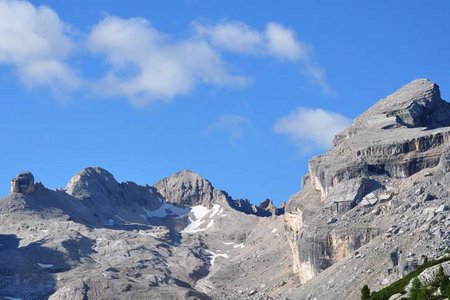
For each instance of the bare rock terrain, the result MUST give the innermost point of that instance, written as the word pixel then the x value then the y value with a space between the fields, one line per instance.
pixel 371 210
pixel 374 206
pixel 101 239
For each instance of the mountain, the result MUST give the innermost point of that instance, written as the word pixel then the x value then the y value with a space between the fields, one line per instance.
pixel 375 206
pixel 373 210
pixel 101 239
pixel 190 189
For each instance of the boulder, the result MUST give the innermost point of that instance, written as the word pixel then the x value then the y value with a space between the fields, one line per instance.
pixel 442 208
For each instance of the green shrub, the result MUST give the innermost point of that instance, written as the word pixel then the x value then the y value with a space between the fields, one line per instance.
pixel 399 285
pixel 443 280
pixel 415 289
pixel 365 293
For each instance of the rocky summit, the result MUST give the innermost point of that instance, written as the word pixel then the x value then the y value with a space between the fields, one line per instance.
pixel 372 210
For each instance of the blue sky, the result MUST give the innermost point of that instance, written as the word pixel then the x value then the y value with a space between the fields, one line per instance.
pixel 243 92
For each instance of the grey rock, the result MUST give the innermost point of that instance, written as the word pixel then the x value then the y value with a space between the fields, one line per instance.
pixel 331 220
pixel 189 189
pixel 385 197
pixel 59 246
pixel 98 190
pixel 442 208
pixel 23 183
pixel 397 138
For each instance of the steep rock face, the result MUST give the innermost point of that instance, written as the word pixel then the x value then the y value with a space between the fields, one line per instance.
pixel 100 191
pixel 187 188
pixel 399 136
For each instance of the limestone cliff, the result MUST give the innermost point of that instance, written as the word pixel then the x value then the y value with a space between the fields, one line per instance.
pixel 399 136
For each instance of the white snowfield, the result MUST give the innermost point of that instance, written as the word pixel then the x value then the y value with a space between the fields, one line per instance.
pixel 201 215
pixel 45 266
pixel 212 256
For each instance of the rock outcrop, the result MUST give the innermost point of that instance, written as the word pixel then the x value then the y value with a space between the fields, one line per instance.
pixel 111 200
pixel 399 136
pixel 264 209
pixel 23 183
pixel 187 188
pixel 190 189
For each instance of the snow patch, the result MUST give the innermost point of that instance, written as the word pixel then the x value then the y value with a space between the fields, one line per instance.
pixel 212 256
pixel 239 246
pixel 12 298
pixel 274 230
pixel 228 243
pixel 210 224
pixel 45 266
pixel 201 215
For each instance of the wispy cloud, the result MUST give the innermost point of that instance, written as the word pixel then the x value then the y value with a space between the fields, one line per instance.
pixel 310 128
pixel 275 41
pixel 36 43
pixel 231 35
pixel 234 126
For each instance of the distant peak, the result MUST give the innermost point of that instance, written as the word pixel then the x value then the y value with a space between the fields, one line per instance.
pixel 187 172
pixel 90 175
pixel 189 189
pixel 95 170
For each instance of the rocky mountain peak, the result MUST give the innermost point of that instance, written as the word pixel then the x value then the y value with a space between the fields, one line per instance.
pixel 404 134
pixel 102 193
pixel 189 189
pixel 416 105
pixel 92 183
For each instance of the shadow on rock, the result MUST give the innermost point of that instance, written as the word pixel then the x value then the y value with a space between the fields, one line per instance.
pixel 27 272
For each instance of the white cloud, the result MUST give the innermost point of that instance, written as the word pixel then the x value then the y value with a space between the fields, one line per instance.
pixel 35 42
pixel 147 65
pixel 282 43
pixel 233 125
pixel 275 41
pixel 232 35
pixel 311 127
pixel 142 63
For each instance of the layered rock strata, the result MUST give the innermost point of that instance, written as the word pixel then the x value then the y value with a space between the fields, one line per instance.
pixel 399 136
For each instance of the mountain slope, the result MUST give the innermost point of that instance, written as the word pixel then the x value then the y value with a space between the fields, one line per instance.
pixel 374 205
pixel 370 211
pixel 100 239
